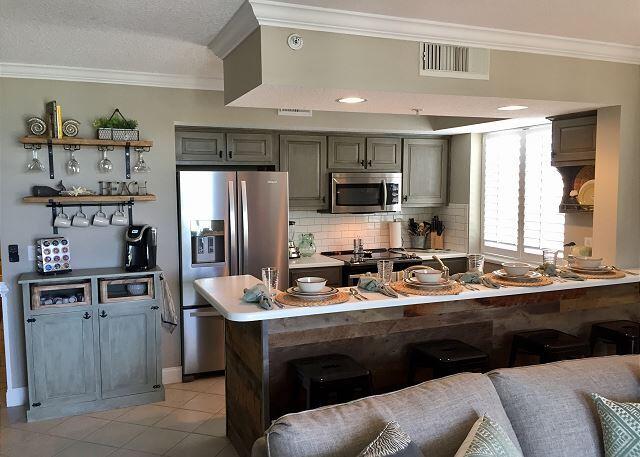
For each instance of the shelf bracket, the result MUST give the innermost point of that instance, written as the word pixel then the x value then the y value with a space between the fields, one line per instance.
pixel 127 160
pixel 130 211
pixel 50 150
pixel 54 214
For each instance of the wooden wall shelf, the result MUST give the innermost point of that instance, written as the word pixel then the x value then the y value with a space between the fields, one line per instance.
pixel 84 142
pixel 91 199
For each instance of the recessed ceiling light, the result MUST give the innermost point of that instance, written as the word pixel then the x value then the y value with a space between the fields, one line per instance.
pixel 512 108
pixel 351 100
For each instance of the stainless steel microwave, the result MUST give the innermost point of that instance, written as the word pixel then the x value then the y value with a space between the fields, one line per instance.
pixel 365 192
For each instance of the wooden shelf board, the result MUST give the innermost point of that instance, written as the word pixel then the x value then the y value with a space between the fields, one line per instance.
pixel 83 141
pixel 91 199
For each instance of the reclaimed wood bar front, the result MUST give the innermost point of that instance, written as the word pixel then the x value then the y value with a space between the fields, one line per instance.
pixel 378 332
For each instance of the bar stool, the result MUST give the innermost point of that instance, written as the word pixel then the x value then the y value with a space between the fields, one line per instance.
pixel 624 334
pixel 550 345
pixel 331 378
pixel 446 357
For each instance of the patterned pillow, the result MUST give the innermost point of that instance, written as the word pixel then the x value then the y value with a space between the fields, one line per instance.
pixel 487 439
pixel 620 426
pixel 391 442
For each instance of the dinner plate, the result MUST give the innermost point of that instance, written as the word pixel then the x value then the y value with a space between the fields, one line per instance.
pixel 600 269
pixel 323 293
pixel 415 283
pixel 529 276
pixel 587 192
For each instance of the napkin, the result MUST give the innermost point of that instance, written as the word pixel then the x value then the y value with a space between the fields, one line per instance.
pixel 550 269
pixel 469 277
pixel 372 284
pixel 258 294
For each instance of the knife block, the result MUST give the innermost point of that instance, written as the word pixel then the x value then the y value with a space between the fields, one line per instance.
pixel 436 241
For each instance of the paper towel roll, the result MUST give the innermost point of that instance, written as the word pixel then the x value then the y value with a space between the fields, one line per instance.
pixel 395 234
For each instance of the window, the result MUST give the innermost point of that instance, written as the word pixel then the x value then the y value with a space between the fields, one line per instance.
pixel 521 194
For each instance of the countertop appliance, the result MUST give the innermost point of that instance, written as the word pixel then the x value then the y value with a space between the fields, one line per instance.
pixel 367 261
pixel 141 246
pixel 365 192
pixel 231 223
pixel 294 252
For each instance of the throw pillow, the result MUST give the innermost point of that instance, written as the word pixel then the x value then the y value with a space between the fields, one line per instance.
pixel 620 426
pixel 487 439
pixel 391 442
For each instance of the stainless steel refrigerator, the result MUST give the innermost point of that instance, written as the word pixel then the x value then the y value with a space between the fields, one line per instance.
pixel 231 223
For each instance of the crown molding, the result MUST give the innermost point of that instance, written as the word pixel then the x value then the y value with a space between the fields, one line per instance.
pixel 239 27
pixel 106 76
pixel 277 14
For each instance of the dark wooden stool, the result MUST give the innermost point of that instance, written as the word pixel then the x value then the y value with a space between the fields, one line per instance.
pixel 550 345
pixel 331 378
pixel 624 334
pixel 446 357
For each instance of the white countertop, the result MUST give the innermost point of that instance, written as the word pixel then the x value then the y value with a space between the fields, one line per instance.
pixel 225 294
pixel 315 261
pixel 442 255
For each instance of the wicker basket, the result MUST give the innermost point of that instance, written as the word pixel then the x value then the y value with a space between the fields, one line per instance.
pixel 104 134
pixel 126 134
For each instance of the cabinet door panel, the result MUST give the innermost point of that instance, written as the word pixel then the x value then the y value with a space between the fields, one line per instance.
pixel 250 147
pixel 128 349
pixel 346 152
pixel 425 172
pixel 200 146
pixel 305 158
pixel 384 154
pixel 574 140
pixel 64 368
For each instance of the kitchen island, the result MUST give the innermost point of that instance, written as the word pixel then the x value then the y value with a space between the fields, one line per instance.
pixel 378 331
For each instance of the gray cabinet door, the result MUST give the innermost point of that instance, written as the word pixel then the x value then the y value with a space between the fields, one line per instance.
pixel 128 348
pixel 425 170
pixel 574 141
pixel 305 158
pixel 63 361
pixel 346 152
pixel 384 154
pixel 250 147
pixel 200 147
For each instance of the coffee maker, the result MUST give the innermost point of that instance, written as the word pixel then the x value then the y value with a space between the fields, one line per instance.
pixel 141 245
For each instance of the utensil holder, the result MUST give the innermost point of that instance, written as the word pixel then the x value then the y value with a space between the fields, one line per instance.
pixel 417 242
pixel 436 241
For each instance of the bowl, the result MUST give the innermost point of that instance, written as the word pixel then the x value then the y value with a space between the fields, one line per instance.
pixel 137 289
pixel 311 284
pixel 587 262
pixel 427 275
pixel 516 268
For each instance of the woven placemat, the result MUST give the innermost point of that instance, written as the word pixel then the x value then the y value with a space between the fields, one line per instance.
pixel 401 286
pixel 291 300
pixel 611 274
pixel 537 282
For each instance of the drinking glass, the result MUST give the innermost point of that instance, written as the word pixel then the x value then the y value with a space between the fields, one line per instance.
pixel 73 166
pixel 475 263
pixel 270 279
pixel 35 165
pixel 105 165
pixel 141 166
pixel 550 256
pixel 385 271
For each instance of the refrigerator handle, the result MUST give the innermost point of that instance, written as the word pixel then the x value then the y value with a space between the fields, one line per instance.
pixel 232 245
pixel 245 227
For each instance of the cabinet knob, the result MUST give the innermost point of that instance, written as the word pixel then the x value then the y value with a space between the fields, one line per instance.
pixel 220 154
pixel 363 163
pixel 231 154
pixel 405 198
pixel 86 316
pixel 103 313
pixel 370 163
pixel 324 199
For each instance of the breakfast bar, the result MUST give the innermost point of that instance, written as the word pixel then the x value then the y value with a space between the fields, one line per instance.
pixel 378 331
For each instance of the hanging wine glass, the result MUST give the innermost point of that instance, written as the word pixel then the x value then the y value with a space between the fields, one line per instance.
pixel 35 165
pixel 105 165
pixel 141 166
pixel 72 166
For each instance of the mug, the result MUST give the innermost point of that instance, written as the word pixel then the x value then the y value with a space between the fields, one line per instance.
pixel 100 219
pixel 62 220
pixel 80 219
pixel 119 218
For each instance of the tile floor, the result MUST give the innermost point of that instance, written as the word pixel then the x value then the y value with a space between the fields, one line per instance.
pixel 189 423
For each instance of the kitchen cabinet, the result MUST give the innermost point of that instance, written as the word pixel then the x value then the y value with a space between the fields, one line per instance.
pixel 62 363
pixel 346 153
pixel 425 172
pixel 333 275
pixel 384 154
pixel 250 147
pixel 94 356
pixel 204 147
pixel 305 158
pixel 573 139
pixel 209 147
pixel 128 345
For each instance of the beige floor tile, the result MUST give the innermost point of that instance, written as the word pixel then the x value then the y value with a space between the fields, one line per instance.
pixel 115 434
pixel 217 386
pixel 12 415
pixel 156 441
pixel 77 427
pixel 176 398
pixel 10 437
pixel 37 426
pixel 198 446
pixel 130 453
pixel 216 426
pixel 199 385
pixel 228 451
pixel 209 403
pixel 82 449
pixel 111 414
pixel 38 445
pixel 145 414
pixel 184 420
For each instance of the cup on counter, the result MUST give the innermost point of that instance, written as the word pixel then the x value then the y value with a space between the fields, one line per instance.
pixel 62 220
pixel 270 279
pixel 118 218
pixel 385 270
pixel 475 263
pixel 80 219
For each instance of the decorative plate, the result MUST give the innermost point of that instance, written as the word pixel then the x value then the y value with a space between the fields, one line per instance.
pixel 600 269
pixel 413 282
pixel 587 192
pixel 527 277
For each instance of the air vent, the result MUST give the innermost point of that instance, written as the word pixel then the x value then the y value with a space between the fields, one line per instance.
pixel 451 61
pixel 295 112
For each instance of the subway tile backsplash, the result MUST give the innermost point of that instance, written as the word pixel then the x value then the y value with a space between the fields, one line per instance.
pixel 335 232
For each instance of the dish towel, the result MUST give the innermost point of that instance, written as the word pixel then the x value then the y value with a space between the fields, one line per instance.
pixel 258 294
pixel 169 317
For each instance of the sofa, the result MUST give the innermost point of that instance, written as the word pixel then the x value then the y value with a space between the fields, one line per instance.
pixel 545 409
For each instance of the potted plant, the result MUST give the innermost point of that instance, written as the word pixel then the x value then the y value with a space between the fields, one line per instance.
pixel 117 128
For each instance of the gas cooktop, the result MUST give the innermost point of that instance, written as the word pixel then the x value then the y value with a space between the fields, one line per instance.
pixel 370 256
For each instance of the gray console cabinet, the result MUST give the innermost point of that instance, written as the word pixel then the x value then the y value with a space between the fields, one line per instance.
pixel 425 172
pixel 95 356
pixel 305 158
